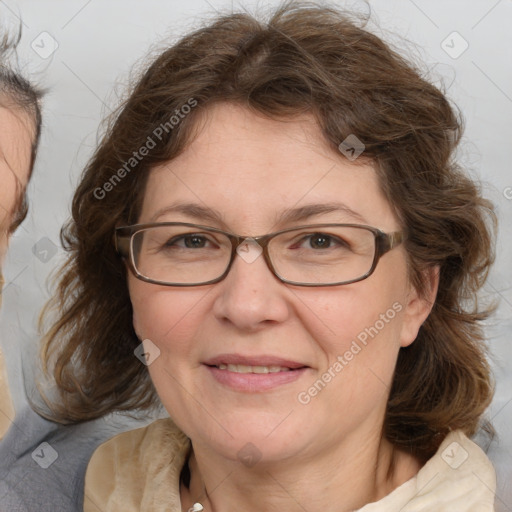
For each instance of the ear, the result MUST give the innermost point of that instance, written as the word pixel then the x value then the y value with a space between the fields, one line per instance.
pixel 418 307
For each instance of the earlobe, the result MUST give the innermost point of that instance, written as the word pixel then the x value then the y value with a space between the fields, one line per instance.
pixel 418 307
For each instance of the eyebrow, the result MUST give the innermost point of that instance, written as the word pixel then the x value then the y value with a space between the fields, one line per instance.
pixel 193 210
pixel 312 210
pixel 288 216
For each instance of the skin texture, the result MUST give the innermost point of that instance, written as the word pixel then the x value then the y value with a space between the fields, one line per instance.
pixel 16 134
pixel 331 450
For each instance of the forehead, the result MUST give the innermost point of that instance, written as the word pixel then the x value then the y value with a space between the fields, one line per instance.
pixel 251 168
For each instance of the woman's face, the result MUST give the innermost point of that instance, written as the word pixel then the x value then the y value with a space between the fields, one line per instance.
pixel 250 170
pixel 16 135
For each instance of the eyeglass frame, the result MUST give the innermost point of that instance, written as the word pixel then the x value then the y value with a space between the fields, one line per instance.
pixel 123 238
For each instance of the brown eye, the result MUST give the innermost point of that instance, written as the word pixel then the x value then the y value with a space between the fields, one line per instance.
pixel 194 241
pixel 190 241
pixel 320 241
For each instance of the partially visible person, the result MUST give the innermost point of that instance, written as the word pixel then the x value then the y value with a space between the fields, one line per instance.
pixel 24 485
pixel 20 128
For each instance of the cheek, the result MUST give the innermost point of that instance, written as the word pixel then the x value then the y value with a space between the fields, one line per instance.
pixel 357 328
pixel 358 335
pixel 171 319
pixel 358 312
pixel 7 200
pixel 168 317
pixel 3 243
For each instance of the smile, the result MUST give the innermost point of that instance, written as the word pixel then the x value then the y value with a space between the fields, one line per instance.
pixel 253 374
pixel 242 368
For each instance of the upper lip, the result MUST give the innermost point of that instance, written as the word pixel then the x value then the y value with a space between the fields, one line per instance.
pixel 262 360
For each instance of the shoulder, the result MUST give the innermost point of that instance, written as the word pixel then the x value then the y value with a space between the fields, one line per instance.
pixel 459 477
pixel 460 460
pixel 125 472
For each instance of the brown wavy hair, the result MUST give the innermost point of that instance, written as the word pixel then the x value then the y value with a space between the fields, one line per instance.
pixel 305 58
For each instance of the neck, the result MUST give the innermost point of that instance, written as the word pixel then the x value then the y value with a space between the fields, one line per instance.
pixel 350 477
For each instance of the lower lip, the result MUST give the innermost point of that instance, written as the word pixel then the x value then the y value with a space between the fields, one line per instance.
pixel 255 382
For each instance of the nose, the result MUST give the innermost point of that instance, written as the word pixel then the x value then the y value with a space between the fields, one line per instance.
pixel 251 297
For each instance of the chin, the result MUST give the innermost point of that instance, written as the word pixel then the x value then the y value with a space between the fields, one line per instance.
pixel 258 451
pixel 261 438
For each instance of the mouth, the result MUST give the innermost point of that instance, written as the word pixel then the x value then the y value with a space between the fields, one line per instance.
pixel 253 364
pixel 242 368
pixel 254 374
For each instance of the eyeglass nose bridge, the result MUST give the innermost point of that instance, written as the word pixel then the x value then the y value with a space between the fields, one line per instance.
pixel 241 246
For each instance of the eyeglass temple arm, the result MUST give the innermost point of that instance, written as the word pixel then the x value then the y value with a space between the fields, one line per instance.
pixel 392 240
pixel 122 244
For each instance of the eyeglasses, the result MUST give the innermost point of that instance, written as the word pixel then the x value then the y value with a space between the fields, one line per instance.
pixel 183 254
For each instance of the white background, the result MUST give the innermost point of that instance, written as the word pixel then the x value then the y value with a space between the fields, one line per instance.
pixel 99 41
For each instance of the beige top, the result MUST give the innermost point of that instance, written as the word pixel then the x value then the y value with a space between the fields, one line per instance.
pixel 6 405
pixel 139 471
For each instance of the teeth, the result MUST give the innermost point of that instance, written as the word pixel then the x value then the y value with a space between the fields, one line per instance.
pixel 242 368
